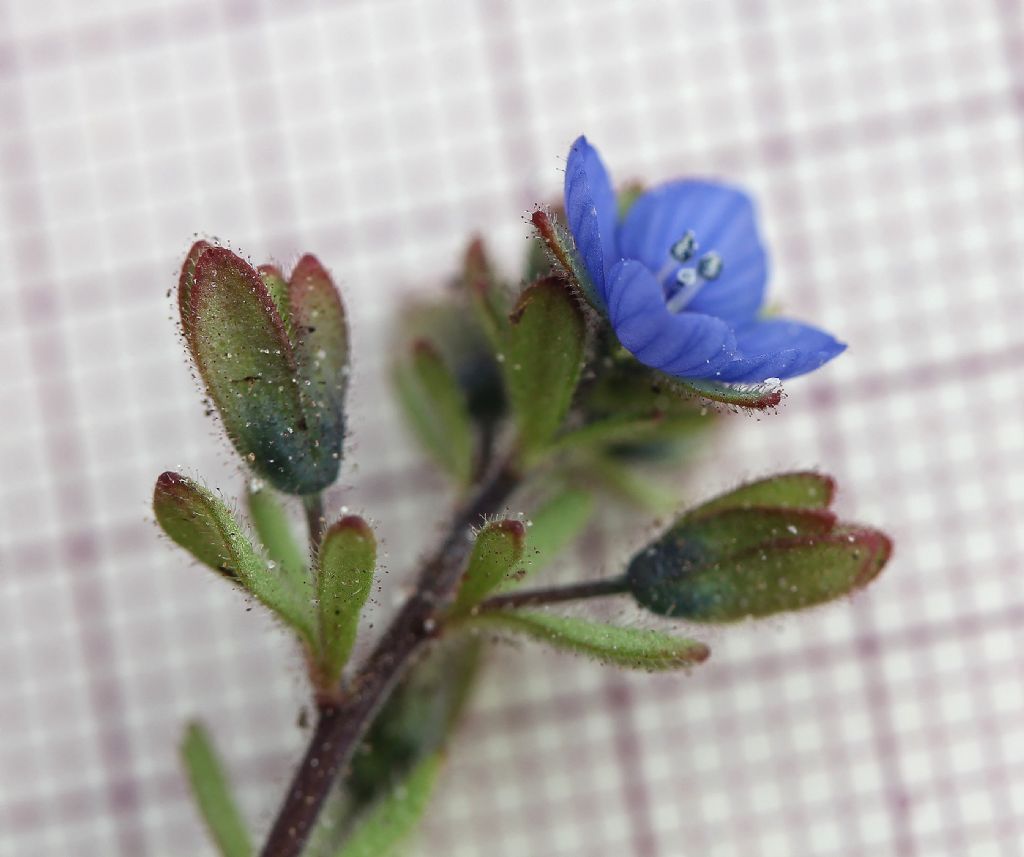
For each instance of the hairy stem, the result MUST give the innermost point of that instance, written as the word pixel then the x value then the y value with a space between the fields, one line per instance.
pixel 342 725
pixel 314 505
pixel 554 594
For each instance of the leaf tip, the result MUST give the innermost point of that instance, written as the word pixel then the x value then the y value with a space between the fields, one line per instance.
pixel 350 525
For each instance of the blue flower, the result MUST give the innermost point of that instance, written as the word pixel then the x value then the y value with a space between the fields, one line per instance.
pixel 682 278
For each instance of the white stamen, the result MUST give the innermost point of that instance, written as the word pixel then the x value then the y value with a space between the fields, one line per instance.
pixel 686 277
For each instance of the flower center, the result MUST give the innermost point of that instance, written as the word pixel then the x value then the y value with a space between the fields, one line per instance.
pixel 681 282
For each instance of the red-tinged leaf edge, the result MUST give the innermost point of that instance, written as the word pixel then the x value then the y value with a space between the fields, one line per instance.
pixel 350 522
pixel 211 257
pixel 562 247
pixel 185 282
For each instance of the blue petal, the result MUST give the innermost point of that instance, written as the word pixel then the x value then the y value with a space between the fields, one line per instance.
pixel 778 348
pixel 590 209
pixel 723 220
pixel 686 345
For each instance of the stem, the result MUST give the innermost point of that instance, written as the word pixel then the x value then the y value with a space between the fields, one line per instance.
pixel 342 725
pixel 314 505
pixel 555 594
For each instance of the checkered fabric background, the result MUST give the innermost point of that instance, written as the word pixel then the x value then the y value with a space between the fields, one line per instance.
pixel 885 141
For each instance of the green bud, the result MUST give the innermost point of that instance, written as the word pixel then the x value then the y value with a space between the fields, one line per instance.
pixel 348 556
pixel 279 395
pixel 733 558
pixel 543 358
pixel 496 555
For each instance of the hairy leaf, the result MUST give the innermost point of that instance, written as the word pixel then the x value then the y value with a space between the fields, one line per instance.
pixel 624 647
pixel 496 555
pixel 543 358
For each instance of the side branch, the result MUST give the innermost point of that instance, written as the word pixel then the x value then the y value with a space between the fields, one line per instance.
pixel 554 594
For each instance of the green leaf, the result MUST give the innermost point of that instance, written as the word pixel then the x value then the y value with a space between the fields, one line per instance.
pixel 630 429
pixel 199 522
pixel 625 647
pixel 798 490
pixel 484 294
pixel 277 288
pixel 418 718
pixel 772 577
pixel 496 556
pixel 395 816
pixel 625 482
pixel 451 326
pixel 320 334
pixel 543 358
pixel 562 247
pixel 555 525
pixel 436 409
pixel 348 556
pixel 275 532
pixel 212 794
pixel 240 346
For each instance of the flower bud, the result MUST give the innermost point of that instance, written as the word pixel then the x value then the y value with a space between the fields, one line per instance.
pixel 274 359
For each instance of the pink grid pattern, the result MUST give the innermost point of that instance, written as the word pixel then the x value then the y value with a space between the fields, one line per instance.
pixel 886 141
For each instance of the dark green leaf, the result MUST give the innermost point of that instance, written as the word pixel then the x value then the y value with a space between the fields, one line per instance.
pixel 212 794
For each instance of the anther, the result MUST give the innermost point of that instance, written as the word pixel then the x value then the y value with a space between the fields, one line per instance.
pixel 685 247
pixel 710 266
